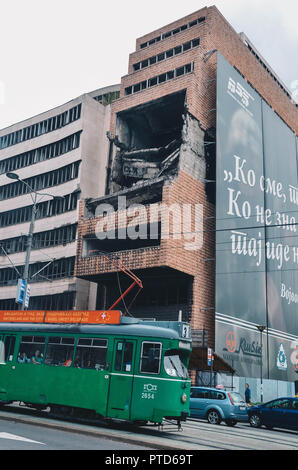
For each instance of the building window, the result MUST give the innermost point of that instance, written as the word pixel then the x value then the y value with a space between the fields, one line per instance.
pixel 185 69
pixel 172 32
pixel 63 301
pixel 58 236
pixel 58 269
pixel 167 55
pixel 44 209
pixel 39 182
pixel 43 127
pixel 40 154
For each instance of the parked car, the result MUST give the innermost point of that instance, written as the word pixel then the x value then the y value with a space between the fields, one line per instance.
pixel 279 413
pixel 217 405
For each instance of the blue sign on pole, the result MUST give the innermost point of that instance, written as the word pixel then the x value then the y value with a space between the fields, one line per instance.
pixel 209 357
pixel 21 289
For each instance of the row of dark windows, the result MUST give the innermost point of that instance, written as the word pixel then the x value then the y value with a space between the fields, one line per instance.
pixel 64 301
pixel 159 79
pixel 173 32
pixel 54 237
pixel 166 55
pixel 58 269
pixel 83 353
pixel 91 353
pixel 43 127
pixel 44 209
pixel 38 182
pixel 41 153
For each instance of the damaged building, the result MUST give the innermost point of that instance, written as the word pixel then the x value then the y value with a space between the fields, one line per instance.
pixel 161 153
pixel 162 157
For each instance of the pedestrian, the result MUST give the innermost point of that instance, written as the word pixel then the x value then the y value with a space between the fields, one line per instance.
pixel 247 394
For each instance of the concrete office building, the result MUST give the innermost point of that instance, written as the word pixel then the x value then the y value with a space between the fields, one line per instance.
pixel 163 150
pixel 59 152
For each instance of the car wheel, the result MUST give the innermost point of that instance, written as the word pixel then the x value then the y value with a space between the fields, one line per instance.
pixel 213 417
pixel 255 421
pixel 231 422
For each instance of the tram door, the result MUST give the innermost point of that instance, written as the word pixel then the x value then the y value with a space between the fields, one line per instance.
pixel 121 379
pixel 7 345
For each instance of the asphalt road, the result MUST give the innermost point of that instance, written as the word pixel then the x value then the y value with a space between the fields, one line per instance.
pixel 17 431
pixel 21 436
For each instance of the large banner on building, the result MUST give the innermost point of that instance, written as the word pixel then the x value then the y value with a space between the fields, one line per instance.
pixel 256 232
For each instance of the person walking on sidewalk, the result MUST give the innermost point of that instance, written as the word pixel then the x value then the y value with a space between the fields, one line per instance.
pixel 247 394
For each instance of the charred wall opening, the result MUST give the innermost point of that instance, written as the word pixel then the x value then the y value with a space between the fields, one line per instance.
pixel 163 295
pixel 147 141
pixel 132 238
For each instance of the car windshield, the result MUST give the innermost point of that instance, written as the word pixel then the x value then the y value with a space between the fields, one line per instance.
pixel 175 367
pixel 236 397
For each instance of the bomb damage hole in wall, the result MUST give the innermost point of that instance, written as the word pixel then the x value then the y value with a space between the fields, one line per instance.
pixel 146 235
pixel 108 238
pixel 147 141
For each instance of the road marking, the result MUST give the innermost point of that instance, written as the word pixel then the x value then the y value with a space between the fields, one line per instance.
pixel 7 435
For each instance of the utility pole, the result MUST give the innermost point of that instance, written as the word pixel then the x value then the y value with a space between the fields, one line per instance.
pixel 261 328
pixel 29 247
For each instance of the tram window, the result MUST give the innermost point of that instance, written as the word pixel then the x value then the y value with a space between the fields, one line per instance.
pixel 29 347
pixel 7 345
pixel 60 351
pixel 91 353
pixel 124 356
pixel 2 352
pixel 127 357
pixel 150 357
pixel 174 366
pixel 118 358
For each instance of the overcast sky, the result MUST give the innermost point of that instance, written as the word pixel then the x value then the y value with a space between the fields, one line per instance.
pixel 53 51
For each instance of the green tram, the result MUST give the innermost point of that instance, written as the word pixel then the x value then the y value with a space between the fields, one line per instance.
pixel 134 371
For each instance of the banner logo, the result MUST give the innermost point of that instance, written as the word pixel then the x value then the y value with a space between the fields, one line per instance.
pixel 240 94
pixel 247 348
pixel 231 342
pixel 281 361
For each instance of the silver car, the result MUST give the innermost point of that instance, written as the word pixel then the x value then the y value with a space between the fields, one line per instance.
pixel 217 405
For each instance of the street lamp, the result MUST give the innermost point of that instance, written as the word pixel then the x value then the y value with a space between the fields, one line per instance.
pixel 261 328
pixel 15 176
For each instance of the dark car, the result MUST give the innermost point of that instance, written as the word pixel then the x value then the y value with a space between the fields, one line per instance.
pixel 217 405
pixel 279 413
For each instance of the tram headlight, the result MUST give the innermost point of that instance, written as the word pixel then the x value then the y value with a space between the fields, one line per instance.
pixel 184 398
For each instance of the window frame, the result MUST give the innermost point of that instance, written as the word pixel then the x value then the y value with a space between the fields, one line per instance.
pixel 142 357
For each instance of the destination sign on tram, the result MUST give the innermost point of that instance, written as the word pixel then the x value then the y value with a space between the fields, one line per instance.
pixel 62 316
